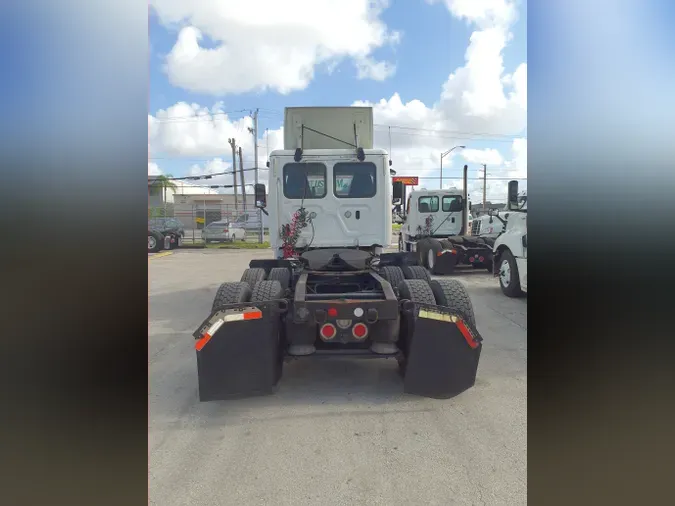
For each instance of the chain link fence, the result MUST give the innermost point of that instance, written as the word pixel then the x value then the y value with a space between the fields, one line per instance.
pixel 195 217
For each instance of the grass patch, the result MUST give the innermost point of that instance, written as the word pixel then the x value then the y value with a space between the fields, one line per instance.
pixel 396 227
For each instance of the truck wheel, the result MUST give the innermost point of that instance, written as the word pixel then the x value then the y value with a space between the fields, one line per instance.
pixel 415 272
pixel 155 241
pixel 231 293
pixel 267 290
pixel 418 291
pixel 432 253
pixel 451 293
pixel 421 251
pixel 393 274
pixel 252 276
pixel 509 280
pixel 282 275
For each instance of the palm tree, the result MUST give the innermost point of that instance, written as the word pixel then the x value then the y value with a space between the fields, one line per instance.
pixel 164 182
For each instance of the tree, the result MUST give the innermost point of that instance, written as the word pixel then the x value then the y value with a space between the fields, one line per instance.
pixel 164 182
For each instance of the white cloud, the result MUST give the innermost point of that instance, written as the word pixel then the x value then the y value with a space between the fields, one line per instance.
pixel 478 102
pixel 154 170
pixel 488 156
pixel 368 68
pixel 266 44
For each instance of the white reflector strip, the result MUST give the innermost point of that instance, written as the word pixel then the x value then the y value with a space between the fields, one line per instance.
pixel 234 317
pixel 214 328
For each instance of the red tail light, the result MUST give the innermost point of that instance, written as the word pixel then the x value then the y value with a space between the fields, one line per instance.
pixel 226 230
pixel 360 330
pixel 328 331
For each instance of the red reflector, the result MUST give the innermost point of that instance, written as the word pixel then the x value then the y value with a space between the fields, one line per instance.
pixel 226 230
pixel 360 330
pixel 253 315
pixel 202 342
pixel 467 334
pixel 481 259
pixel 328 331
pixel 332 312
pixel 471 259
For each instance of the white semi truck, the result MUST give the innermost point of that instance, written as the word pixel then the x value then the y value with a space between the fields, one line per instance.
pixel 330 289
pixel 435 230
pixel 510 248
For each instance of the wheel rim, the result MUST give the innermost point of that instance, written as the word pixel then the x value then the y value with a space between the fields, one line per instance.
pixel 505 273
pixel 431 258
pixel 152 242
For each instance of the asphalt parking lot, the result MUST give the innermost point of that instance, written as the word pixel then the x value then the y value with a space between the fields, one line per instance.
pixel 337 431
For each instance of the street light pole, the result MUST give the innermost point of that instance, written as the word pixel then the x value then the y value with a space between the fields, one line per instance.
pixel 443 155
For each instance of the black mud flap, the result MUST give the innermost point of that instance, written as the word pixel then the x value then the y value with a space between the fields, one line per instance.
pixel 445 263
pixel 239 353
pixel 442 352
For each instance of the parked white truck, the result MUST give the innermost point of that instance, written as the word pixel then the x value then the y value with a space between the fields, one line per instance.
pixel 434 229
pixel 510 248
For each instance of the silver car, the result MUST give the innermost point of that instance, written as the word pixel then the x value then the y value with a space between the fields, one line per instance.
pixel 221 231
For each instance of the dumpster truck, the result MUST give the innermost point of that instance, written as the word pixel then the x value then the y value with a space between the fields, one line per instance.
pixel 331 290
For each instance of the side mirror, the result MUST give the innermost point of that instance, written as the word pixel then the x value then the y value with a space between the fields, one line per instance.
pixel 398 190
pixel 513 194
pixel 260 196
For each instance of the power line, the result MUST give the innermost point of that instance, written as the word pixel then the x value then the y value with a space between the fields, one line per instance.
pixel 446 131
pixel 452 133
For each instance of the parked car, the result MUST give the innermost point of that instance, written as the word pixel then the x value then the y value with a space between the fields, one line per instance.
pixel 220 231
pixel 159 228
pixel 249 221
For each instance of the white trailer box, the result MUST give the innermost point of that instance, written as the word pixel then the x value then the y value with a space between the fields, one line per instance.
pixel 336 122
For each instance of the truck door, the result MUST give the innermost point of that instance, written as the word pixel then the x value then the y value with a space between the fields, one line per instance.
pixel 449 220
pixel 359 197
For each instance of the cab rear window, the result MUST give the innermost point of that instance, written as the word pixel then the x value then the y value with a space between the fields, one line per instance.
pixel 304 180
pixel 427 204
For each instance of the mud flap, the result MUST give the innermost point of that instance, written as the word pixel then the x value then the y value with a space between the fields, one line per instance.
pixel 239 353
pixel 442 352
pixel 445 263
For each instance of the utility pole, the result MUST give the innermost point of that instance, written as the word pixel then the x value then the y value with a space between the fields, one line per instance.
pixel 243 183
pixel 234 172
pixel 254 131
pixel 484 186
pixel 465 191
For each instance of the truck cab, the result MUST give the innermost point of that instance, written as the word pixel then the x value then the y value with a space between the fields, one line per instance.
pixel 510 248
pixel 347 200
pixel 432 213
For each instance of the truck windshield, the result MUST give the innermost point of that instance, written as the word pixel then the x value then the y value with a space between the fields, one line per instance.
pixel 304 180
pixel 354 180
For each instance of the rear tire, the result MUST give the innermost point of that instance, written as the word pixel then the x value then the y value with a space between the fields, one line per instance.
pixel 421 250
pixel 231 293
pixel 393 274
pixel 267 290
pixel 253 276
pixel 451 293
pixel 432 254
pixel 282 275
pixel 155 241
pixel 417 291
pixel 415 272
pixel 509 279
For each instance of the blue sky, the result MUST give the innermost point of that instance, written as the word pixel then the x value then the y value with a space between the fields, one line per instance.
pixel 434 37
